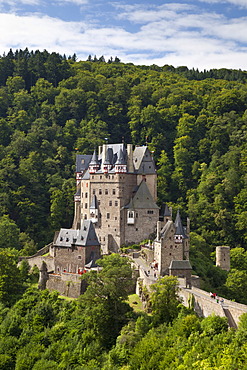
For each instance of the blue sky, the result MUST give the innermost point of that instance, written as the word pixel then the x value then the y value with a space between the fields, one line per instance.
pixel 202 34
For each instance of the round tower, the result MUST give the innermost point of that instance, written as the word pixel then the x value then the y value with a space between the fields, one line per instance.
pixel 43 276
pixel 223 257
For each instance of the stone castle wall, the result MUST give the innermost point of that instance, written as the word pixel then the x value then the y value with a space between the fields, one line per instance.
pixel 66 284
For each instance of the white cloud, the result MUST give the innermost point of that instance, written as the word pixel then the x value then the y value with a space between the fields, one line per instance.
pixel 174 34
pixel 14 3
pixel 240 3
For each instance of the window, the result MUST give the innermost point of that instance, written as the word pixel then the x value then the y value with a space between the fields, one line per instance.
pixel 93 191
pixel 100 191
pixel 116 203
pixel 115 218
pixel 79 257
pixel 85 217
pixel 110 203
pixel 136 215
pixel 106 191
pixel 86 205
pixel 85 195
pixel 150 212
pixel 108 215
pixel 113 191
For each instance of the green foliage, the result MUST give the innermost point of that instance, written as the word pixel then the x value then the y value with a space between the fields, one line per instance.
pixel 164 300
pixel 10 277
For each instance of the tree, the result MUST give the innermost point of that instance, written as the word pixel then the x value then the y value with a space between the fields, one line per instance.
pixel 103 303
pixel 10 278
pixel 9 233
pixel 165 300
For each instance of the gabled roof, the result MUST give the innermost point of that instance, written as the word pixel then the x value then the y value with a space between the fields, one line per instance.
pixel 86 175
pixel 143 161
pixel 86 236
pixel 166 228
pixel 180 265
pixel 142 198
pixel 82 162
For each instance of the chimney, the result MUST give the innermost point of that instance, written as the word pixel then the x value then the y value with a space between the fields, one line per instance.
pixel 130 163
pixel 103 155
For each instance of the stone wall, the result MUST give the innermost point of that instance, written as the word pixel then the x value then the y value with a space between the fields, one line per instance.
pixel 205 305
pixel 69 285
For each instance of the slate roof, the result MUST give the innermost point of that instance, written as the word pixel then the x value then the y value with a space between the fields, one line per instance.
pixel 94 203
pixel 143 162
pixel 167 212
pixel 179 226
pixel 166 228
pixel 142 198
pixel 86 175
pixel 82 162
pixel 180 265
pixel 120 158
pixel 94 159
pixel 86 236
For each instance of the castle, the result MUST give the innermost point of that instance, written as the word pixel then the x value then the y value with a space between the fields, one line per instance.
pixel 115 205
pixel 117 191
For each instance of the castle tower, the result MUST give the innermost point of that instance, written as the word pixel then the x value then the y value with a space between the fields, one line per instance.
pixel 171 243
pixel 43 276
pixel 118 194
pixel 94 164
pixel 120 165
pixel 223 257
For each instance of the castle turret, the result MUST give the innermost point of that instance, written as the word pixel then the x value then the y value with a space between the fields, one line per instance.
pixel 167 214
pixel 43 276
pixel 120 165
pixel 94 164
pixel 223 257
pixel 107 162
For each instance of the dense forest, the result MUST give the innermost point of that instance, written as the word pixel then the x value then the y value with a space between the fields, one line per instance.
pixel 195 123
pixel 100 330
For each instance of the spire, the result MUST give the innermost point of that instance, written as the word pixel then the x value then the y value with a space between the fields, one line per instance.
pixel 167 212
pixel 94 163
pixel 94 211
pixel 120 165
pixel 107 164
pixel 179 226
pixel 94 159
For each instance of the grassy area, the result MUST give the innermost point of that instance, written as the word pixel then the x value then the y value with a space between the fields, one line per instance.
pixel 135 303
pixel 66 298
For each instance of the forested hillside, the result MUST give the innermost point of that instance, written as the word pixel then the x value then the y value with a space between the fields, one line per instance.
pixel 53 107
pixel 101 331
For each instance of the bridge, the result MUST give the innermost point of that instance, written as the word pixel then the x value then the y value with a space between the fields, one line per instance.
pixel 204 305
